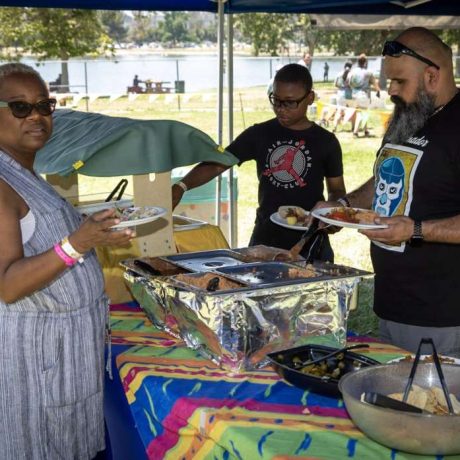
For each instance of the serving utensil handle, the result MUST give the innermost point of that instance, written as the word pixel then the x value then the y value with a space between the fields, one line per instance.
pixel 438 369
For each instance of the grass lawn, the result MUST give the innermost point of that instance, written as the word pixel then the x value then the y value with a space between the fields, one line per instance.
pixel 251 106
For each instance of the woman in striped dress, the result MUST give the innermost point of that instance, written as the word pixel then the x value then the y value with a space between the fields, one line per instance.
pixel 52 303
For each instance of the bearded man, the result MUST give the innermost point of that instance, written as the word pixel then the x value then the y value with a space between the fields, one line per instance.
pixel 416 186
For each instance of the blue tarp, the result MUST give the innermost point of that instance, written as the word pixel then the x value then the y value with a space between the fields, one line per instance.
pixel 412 7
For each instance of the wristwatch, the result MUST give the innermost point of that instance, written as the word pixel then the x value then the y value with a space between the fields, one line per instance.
pixel 417 237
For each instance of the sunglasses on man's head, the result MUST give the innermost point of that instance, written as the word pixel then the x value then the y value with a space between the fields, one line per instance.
pixel 22 109
pixel 287 103
pixel 396 49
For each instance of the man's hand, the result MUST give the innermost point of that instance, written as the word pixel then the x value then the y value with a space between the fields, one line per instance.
pixel 327 204
pixel 177 193
pixel 400 228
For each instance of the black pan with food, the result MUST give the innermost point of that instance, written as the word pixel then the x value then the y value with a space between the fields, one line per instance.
pixel 304 367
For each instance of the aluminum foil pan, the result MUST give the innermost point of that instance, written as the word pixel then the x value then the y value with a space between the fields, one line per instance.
pixel 203 261
pixel 240 322
pixel 237 328
pixel 146 288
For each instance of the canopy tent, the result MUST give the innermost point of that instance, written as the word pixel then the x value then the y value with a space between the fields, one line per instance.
pixel 221 7
pixel 382 22
pixel 388 7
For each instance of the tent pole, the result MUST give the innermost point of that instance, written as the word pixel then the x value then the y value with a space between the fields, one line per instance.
pixel 220 97
pixel 233 227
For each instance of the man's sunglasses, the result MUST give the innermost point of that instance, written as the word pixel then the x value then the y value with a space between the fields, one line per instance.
pixel 22 109
pixel 288 104
pixel 396 49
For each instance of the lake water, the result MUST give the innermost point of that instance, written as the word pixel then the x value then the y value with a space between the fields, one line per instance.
pixel 113 76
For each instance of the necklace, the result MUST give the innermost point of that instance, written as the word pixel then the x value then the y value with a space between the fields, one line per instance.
pixel 437 110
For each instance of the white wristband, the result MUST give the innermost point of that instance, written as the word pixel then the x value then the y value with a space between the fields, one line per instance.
pixel 344 202
pixel 182 186
pixel 71 251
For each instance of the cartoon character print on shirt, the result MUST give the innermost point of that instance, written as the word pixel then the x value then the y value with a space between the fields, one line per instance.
pixel 286 163
pixel 389 187
pixel 394 172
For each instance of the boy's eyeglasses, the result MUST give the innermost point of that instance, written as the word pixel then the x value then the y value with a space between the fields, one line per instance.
pixel 396 49
pixel 22 109
pixel 288 104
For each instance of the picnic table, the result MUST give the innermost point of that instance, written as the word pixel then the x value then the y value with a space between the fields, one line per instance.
pixel 185 407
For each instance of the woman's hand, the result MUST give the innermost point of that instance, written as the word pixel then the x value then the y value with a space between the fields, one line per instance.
pixel 96 231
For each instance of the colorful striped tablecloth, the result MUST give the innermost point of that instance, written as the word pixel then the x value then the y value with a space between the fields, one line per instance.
pixel 187 408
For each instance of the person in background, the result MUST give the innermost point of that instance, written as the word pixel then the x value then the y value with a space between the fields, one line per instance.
pixel 53 309
pixel 326 72
pixel 344 113
pixel 306 61
pixel 361 80
pixel 294 157
pixel 415 189
pixel 136 81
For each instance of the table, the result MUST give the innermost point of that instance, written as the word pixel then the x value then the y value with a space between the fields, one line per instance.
pixel 184 407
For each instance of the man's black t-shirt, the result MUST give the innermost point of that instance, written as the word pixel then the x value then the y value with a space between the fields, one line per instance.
pixel 420 179
pixel 291 167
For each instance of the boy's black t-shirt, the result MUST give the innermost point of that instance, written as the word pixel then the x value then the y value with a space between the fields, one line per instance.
pixel 420 179
pixel 291 168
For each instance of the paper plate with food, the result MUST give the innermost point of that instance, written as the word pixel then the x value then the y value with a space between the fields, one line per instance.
pixel 349 217
pixel 130 216
pixel 293 217
pixel 427 359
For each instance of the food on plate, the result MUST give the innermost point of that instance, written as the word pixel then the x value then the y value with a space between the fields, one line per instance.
pixel 352 215
pixel 429 359
pixel 293 215
pixel 429 399
pixel 208 280
pixel 307 272
pixel 129 213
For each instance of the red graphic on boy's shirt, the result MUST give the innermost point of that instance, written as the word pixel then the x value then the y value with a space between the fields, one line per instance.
pixel 286 163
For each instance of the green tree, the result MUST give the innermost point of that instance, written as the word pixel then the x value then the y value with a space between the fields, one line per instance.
pixel 266 32
pixel 309 34
pixel 52 34
pixel 114 26
pixel 354 42
pixel 174 28
pixel 142 30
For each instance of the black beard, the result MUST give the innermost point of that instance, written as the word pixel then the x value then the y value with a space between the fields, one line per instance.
pixel 407 119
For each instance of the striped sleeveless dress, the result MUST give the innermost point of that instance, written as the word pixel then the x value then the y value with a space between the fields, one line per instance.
pixel 52 343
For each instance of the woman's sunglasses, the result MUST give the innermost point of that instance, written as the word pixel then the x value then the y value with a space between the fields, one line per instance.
pixel 22 109
pixel 396 49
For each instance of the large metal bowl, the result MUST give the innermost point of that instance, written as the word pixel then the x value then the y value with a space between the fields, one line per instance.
pixel 416 433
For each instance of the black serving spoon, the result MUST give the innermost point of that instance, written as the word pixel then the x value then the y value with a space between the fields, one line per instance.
pixel 329 355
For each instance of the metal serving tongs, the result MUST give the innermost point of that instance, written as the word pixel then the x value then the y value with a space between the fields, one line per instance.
pixel 438 368
pixel 330 355
pixel 120 188
pixel 309 232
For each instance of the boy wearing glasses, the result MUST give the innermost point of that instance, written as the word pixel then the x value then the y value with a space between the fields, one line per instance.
pixel 416 187
pixel 294 157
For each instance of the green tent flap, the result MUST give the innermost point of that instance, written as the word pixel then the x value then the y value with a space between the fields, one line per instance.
pixel 100 145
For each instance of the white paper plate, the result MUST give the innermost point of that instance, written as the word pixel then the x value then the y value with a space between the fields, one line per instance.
pixel 181 223
pixel 321 214
pixel 277 219
pixel 101 206
pixel 456 361
pixel 148 214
